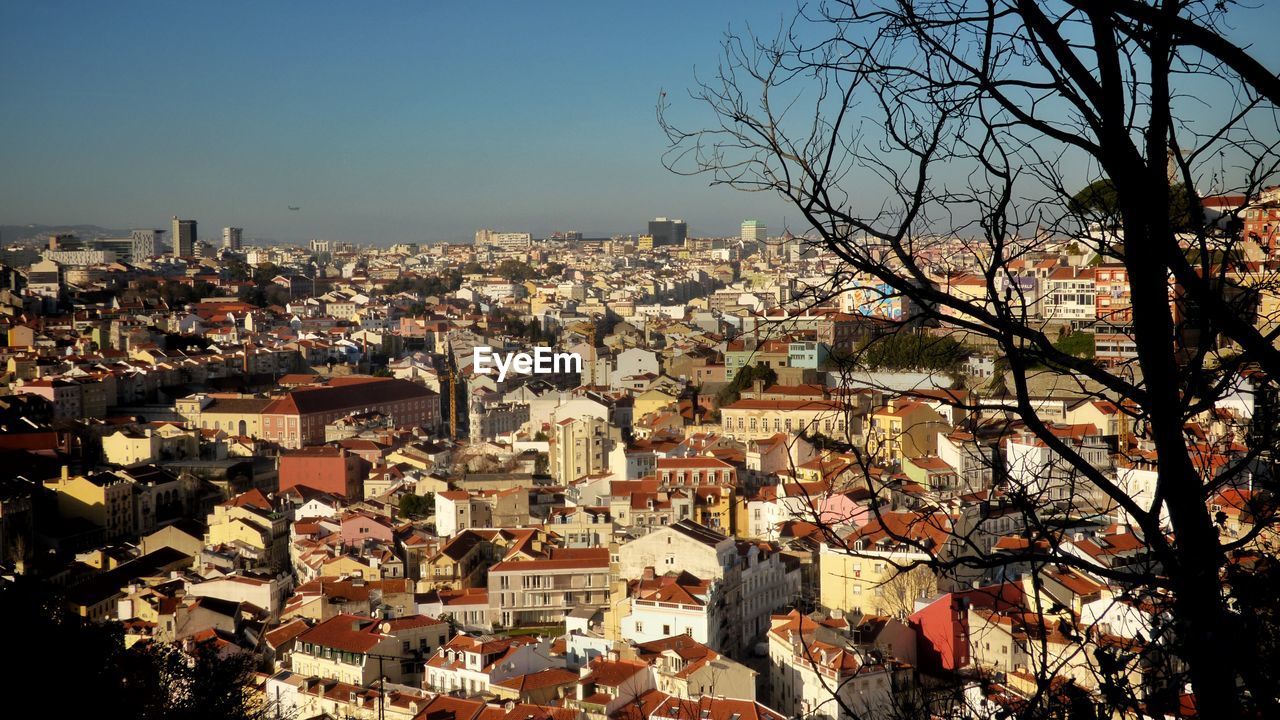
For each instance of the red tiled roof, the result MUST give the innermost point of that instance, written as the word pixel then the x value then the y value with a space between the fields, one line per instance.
pixel 787 405
pixel 350 633
pixel 253 498
pixel 691 462
pixel 612 673
pixel 283 634
pixel 584 559
pixel 551 677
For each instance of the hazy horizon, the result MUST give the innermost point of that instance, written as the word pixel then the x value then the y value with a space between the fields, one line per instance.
pixel 395 122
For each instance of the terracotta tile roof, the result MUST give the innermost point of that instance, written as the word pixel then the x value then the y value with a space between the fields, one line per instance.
pixel 283 634
pixel 713 708
pixel 682 645
pixel 586 559
pixel 468 596
pixel 692 462
pixel 522 711
pixel 788 405
pixel 349 633
pixel 411 622
pixel 253 498
pixel 912 531
pixel 551 677
pixel 612 673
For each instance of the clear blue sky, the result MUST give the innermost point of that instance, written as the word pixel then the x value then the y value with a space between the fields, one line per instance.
pixel 385 121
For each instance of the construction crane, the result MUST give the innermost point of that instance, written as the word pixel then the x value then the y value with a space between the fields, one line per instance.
pixel 453 391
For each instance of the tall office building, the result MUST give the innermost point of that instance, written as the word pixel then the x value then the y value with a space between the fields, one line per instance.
pixel 668 232
pixel 184 237
pixel 754 231
pixel 232 238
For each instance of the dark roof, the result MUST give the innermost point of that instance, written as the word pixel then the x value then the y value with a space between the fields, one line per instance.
pixel 701 533
pixel 187 526
pixel 347 396
pixel 149 474
pixel 239 406
pixel 228 608
pixel 105 585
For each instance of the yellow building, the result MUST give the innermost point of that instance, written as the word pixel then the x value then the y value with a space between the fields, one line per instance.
pixel 460 563
pixel 184 536
pixel 128 446
pixel 652 400
pixel 133 445
pixel 580 447
pixel 348 566
pixel 249 525
pixel 903 429
pixel 347 648
pixel 714 508
pixel 1102 414
pixel 873 572
pixel 750 419
pixel 104 499
pixel 22 336
pixel 236 416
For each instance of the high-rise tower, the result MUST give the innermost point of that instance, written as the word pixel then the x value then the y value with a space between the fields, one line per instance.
pixel 184 237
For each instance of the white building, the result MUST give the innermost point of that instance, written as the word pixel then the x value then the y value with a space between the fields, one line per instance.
pixel 807 660
pixel 471 664
pixel 753 580
pixel 1069 295
pixel 676 604
pixel 1033 467
pixel 504 240
pixel 80 257
pixel 634 362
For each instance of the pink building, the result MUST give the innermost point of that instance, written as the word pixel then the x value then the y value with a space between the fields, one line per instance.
pixel 358 526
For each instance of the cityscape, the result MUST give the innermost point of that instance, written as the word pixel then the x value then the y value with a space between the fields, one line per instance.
pixel 975 416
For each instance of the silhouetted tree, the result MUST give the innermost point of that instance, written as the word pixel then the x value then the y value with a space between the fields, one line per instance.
pixel 918 140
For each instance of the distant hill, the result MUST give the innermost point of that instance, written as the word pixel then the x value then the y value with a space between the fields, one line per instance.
pixel 18 233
